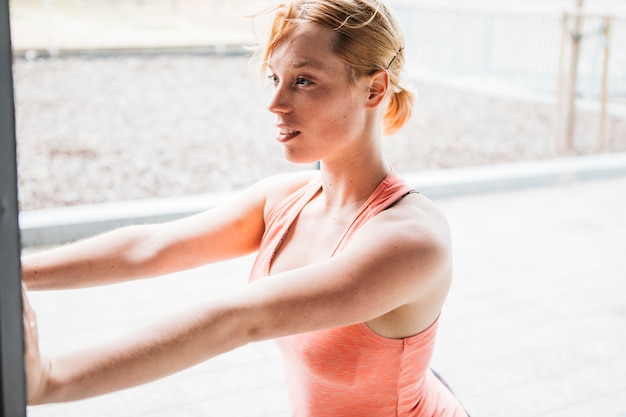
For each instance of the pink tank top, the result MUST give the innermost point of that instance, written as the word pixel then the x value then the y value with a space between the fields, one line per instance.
pixel 352 371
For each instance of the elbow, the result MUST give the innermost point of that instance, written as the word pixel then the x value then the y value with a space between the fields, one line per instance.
pixel 265 326
pixel 144 255
pixel 248 325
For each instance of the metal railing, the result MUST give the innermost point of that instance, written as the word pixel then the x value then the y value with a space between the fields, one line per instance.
pixel 515 48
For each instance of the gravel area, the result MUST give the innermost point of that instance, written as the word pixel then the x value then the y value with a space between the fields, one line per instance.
pixel 96 129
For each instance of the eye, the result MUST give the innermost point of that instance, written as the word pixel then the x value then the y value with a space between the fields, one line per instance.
pixel 273 79
pixel 303 81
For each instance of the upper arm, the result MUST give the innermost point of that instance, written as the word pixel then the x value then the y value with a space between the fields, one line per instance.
pixel 230 229
pixel 233 228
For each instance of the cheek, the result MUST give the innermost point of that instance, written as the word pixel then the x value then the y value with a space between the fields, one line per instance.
pixel 339 110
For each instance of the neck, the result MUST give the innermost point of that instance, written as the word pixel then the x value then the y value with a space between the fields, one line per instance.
pixel 351 182
pixel 350 177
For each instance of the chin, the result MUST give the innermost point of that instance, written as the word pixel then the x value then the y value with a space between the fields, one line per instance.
pixel 298 158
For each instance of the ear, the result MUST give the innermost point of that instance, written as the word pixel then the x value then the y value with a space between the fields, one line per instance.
pixel 378 86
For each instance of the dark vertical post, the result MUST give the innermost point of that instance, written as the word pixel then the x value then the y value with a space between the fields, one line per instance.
pixel 12 377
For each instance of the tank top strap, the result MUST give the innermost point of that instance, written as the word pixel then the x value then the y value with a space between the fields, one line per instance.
pixel 277 223
pixel 389 191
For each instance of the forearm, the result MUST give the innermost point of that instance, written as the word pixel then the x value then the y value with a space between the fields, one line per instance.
pixel 123 254
pixel 144 356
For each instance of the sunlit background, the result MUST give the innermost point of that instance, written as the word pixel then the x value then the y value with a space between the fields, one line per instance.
pixel 124 100
pixel 104 89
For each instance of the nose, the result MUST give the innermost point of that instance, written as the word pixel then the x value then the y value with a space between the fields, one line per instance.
pixel 278 102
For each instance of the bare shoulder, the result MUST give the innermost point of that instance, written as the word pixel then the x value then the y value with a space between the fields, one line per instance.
pixel 414 221
pixel 278 187
pixel 414 233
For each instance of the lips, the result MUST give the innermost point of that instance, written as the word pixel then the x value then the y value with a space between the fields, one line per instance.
pixel 285 134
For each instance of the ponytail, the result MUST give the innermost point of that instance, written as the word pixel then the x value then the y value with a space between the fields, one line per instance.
pixel 399 110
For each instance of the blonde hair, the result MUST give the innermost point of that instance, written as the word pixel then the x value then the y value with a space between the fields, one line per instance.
pixel 369 39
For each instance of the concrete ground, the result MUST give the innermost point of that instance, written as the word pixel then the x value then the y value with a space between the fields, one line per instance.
pixel 535 324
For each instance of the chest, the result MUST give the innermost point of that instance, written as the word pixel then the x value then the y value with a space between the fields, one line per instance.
pixel 312 237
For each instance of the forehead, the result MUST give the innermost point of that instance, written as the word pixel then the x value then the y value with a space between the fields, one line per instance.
pixel 308 45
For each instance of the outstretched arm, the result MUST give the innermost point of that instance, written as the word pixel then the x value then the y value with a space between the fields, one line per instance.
pixel 143 251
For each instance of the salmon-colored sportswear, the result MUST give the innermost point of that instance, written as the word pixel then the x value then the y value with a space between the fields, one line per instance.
pixel 352 371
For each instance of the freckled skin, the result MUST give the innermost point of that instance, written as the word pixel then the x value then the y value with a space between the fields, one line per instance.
pixel 310 80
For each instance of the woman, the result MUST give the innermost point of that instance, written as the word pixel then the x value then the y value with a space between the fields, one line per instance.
pixel 353 266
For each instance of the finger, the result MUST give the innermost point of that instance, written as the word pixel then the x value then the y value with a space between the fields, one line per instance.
pixel 34 361
pixel 30 318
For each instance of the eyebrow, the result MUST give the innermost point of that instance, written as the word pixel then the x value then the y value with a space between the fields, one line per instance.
pixel 301 63
pixel 310 63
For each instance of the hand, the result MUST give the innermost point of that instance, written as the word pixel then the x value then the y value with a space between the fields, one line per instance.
pixel 37 366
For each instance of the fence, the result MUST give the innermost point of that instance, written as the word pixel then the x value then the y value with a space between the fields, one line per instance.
pixel 515 48
pixel 519 48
